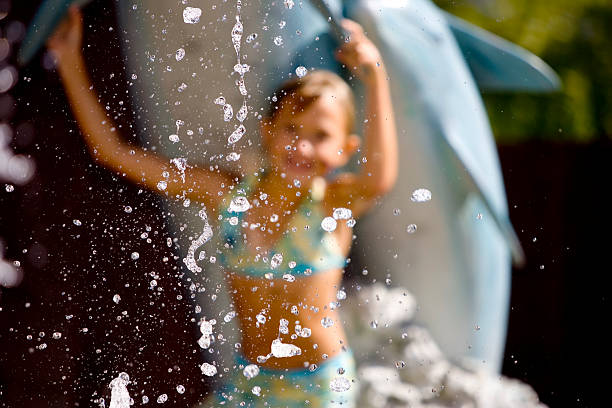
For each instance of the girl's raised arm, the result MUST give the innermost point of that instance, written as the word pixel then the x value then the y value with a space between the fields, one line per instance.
pixel 104 141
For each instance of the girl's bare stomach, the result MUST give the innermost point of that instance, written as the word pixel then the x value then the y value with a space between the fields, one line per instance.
pixel 275 300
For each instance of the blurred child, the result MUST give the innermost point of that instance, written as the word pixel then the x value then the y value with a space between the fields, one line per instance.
pixel 286 231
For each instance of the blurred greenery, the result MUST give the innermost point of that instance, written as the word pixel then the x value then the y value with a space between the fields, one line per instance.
pixel 574 37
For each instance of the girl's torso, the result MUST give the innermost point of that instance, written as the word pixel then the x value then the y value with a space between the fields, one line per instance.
pixel 298 287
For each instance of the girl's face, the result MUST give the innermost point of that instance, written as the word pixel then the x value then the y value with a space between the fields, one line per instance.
pixel 309 142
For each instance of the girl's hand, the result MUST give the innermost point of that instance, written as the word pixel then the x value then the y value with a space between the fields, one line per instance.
pixel 359 54
pixel 68 37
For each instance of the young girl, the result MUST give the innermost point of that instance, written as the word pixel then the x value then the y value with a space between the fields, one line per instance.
pixel 287 231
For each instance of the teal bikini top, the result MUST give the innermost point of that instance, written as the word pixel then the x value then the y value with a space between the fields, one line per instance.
pixel 303 249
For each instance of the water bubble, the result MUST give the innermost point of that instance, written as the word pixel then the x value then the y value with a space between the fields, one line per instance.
pixel 180 54
pixel 162 398
pixel 153 283
pixel 145 399
pixel 9 188
pixel 239 204
pixel 191 15
pixel 301 71
pixel 77 223
pixel 233 156
pixel 421 195
pixel 342 213
pixel 327 322
pixel 135 256
pixel 116 299
pixel 236 134
pixel 180 389
pixel 340 384
pixel 329 224
pixel 127 209
pixel 174 138
pixel 208 369
pixel 411 228
pixel 276 260
pixel 250 371
pixel 162 185
pixel 341 295
pixel 278 40
pixel 57 335
pixel 260 318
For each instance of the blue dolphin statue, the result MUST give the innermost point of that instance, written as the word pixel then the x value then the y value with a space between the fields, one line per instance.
pixel 457 261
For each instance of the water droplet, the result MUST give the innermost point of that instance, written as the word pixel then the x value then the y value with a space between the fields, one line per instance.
pixel 351 223
pixel 220 101
pixel 239 204
pixel 229 316
pixel 289 4
pixel 228 112
pixel 327 322
pixel 174 138
pixel 145 399
pixel 411 229
pixel 329 224
pixel 256 390
pixel 233 156
pixel 135 255
pixel 162 185
pixel 340 384
pixel 278 40
pixel 9 188
pixel 421 195
pixel 250 38
pixel 242 113
pixel 400 364
pixel 236 134
pixel 180 389
pixel 191 15
pixel 305 332
pixel 208 369
pixel 162 398
pixel 301 71
pixel 180 54
pixel 116 299
pixel 396 211
pixel 341 295
pixel 281 350
pixel 276 260
pixel 57 335
pixel 77 223
pixel 127 209
pixel 250 371
pixel 342 213
pixel 374 324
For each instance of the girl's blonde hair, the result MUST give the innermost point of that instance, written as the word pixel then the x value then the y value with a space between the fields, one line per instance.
pixel 301 92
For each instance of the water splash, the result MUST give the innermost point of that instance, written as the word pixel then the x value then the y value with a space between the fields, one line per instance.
pixel 206 235
pixel 120 397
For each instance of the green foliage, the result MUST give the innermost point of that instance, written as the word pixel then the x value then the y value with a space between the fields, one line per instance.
pixel 573 36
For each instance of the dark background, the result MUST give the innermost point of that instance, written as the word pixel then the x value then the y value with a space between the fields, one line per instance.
pixel 558 193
